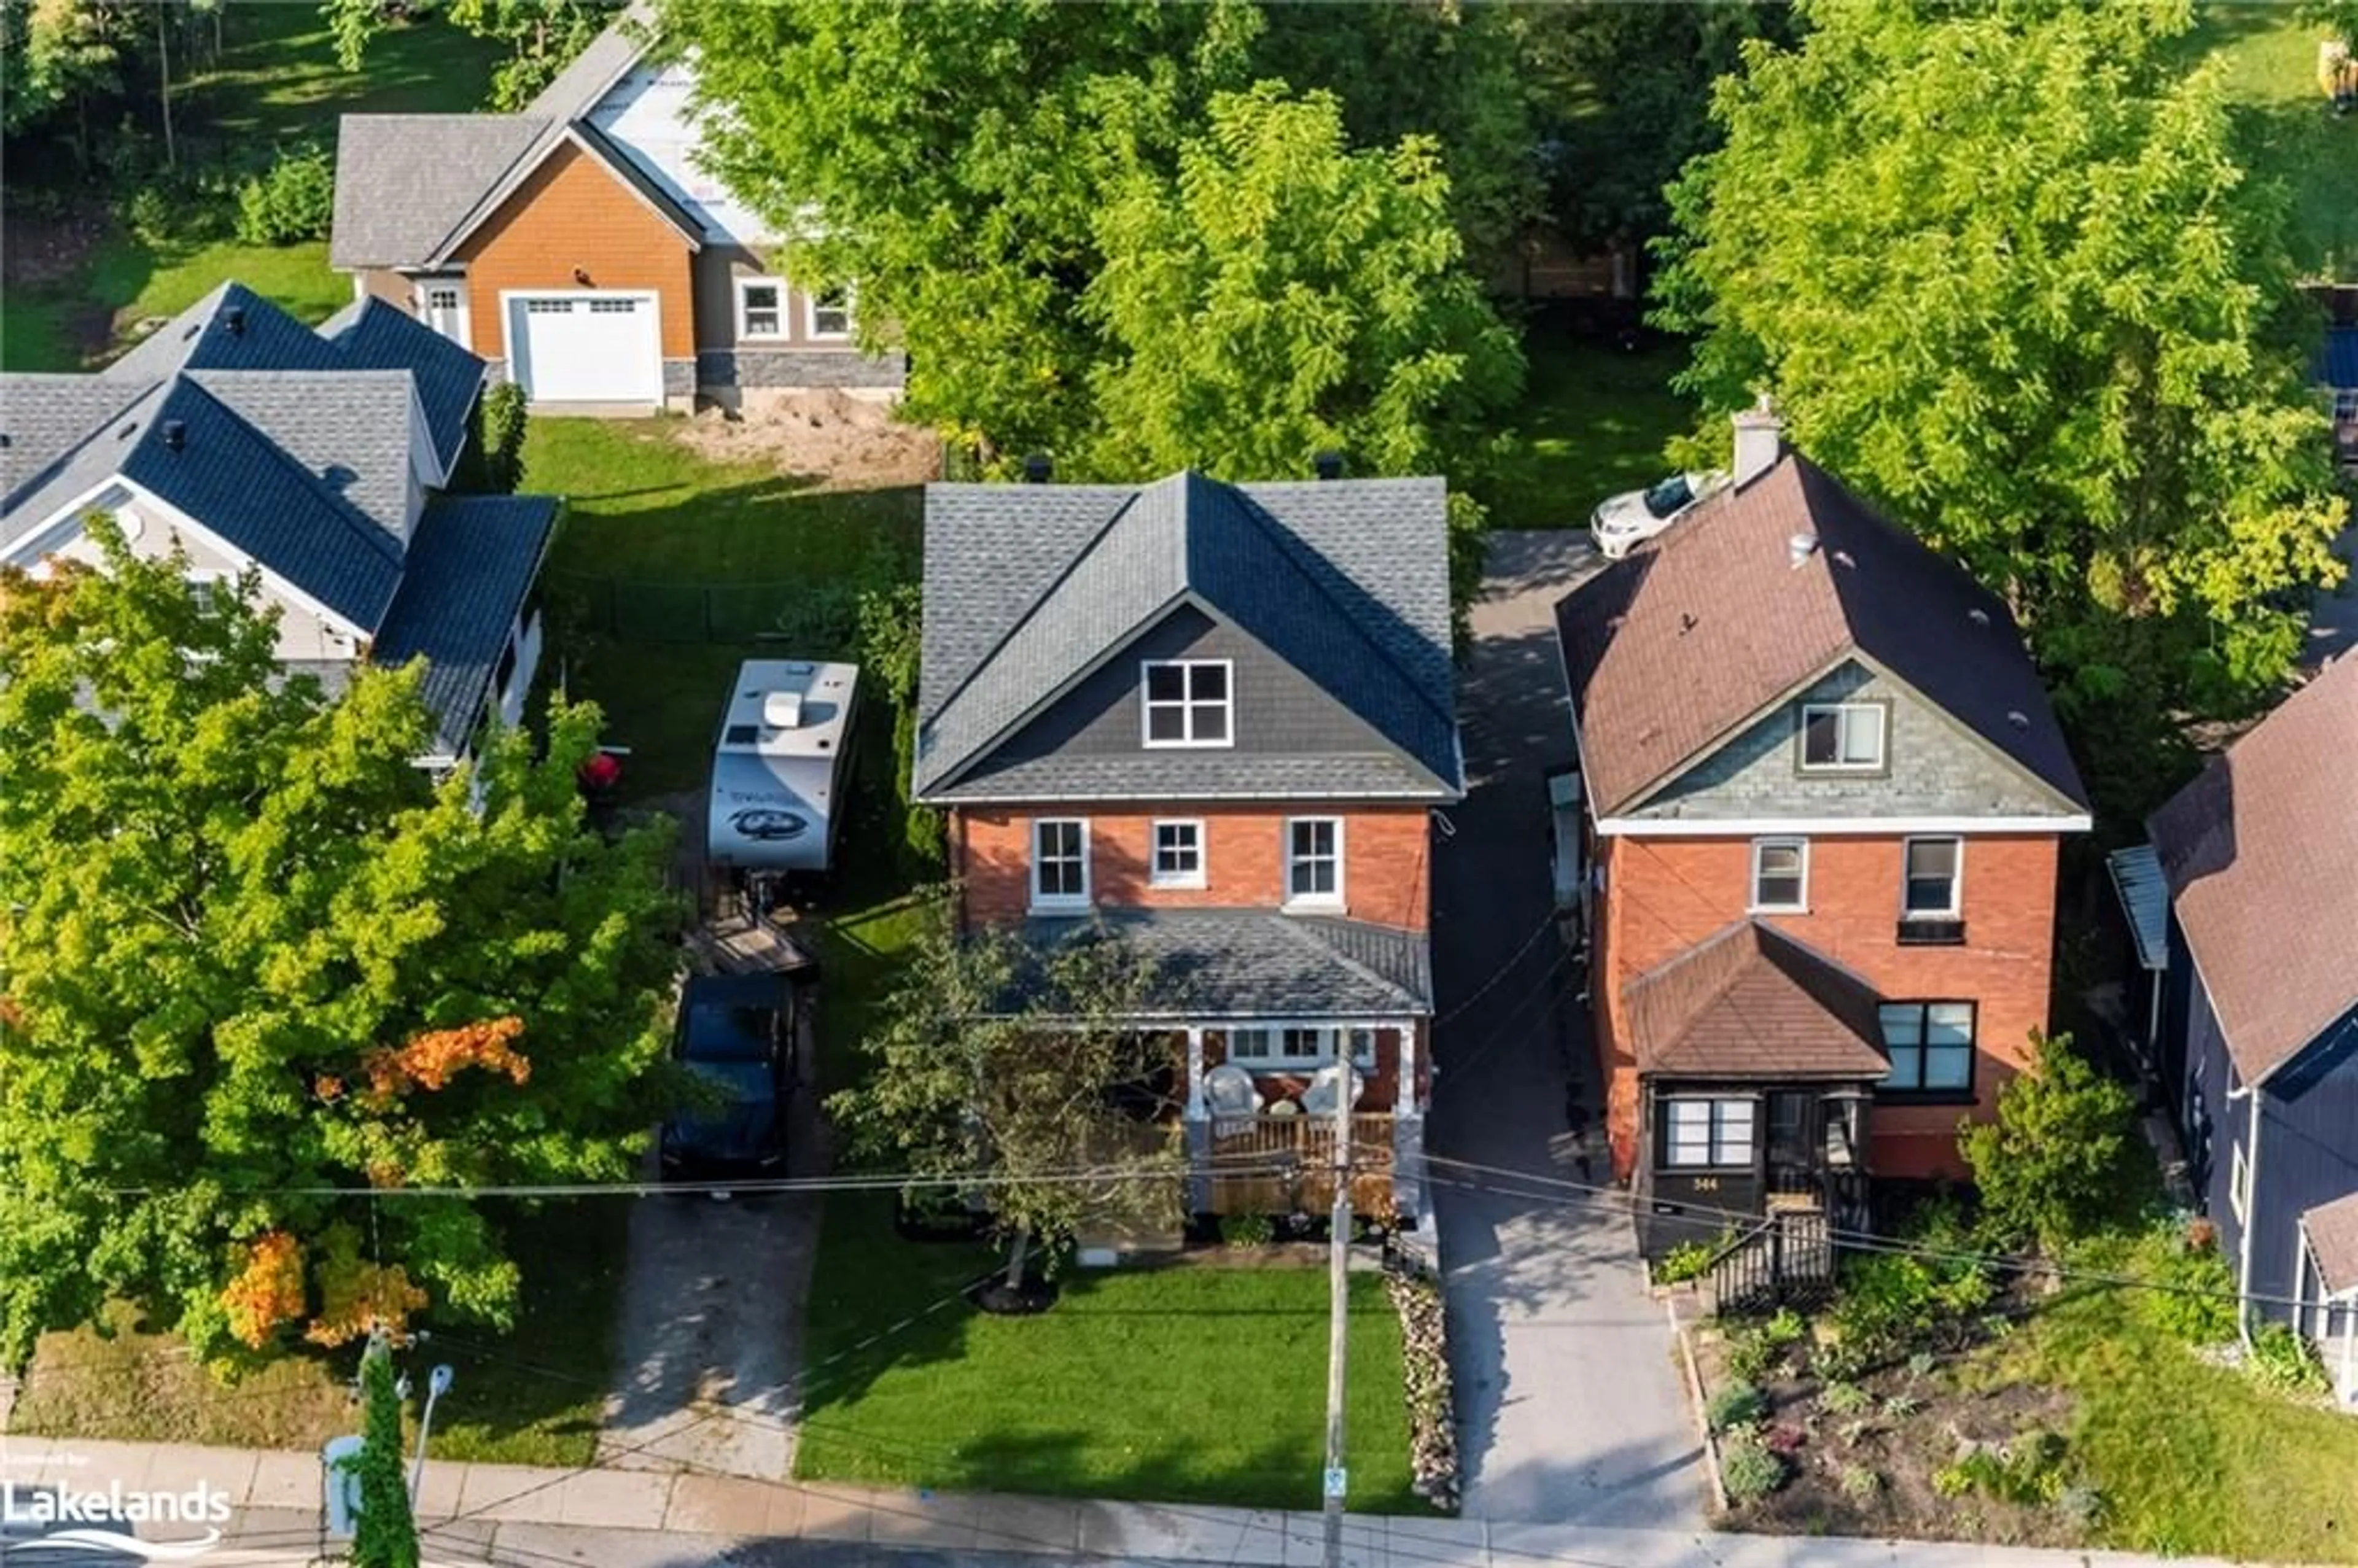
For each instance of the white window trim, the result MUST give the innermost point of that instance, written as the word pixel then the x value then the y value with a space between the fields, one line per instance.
pixel 1156 875
pixel 1752 892
pixel 1276 1027
pixel 2239 1184
pixel 1711 1161
pixel 1187 706
pixel 1882 737
pixel 1292 900
pixel 1065 902
pixel 1956 878
pixel 811 305
pixel 744 333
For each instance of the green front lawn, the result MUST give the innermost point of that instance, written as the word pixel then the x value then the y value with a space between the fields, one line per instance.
pixel 279 80
pixel 2289 133
pixel 1595 419
pixel 1184 1384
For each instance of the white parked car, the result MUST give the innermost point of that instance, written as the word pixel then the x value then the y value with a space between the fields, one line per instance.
pixel 1622 522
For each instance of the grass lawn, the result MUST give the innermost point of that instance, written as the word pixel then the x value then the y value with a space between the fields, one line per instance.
pixel 278 79
pixel 1594 421
pixel 529 1398
pixel 2192 1458
pixel 1185 1384
pixel 2270 58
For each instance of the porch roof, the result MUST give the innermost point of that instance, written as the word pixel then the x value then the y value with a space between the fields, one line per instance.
pixel 1214 964
pixel 1752 1002
pixel 2332 1231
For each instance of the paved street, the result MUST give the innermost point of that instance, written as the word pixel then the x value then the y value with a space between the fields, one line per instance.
pixel 1569 1402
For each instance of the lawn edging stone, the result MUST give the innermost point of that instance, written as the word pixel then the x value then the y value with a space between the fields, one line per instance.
pixel 1425 1367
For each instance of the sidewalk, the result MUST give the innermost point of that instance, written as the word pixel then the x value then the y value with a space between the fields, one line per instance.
pixel 638 1518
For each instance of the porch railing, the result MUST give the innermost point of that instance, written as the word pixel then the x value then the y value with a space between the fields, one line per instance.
pixel 1787 1258
pixel 1285 1165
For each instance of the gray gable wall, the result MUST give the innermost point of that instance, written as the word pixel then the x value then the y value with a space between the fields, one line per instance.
pixel 1934 767
pixel 1090 739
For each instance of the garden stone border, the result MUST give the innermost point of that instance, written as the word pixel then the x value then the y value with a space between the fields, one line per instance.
pixel 1698 1407
pixel 1433 1464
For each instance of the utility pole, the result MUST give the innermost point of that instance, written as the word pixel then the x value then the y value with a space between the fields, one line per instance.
pixel 1338 1293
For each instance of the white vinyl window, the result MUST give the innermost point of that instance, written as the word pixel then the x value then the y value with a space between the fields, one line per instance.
pixel 1780 874
pixel 1314 860
pixel 1931 1045
pixel 1932 883
pixel 2239 1184
pixel 1178 855
pixel 1706 1134
pixel 1841 736
pixel 1188 702
pixel 1060 863
pixel 207 590
pixel 830 314
pixel 1286 1047
pixel 761 307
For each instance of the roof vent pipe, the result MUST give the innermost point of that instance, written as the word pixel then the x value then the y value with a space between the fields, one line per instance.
pixel 176 434
pixel 235 319
pixel 1037 468
pixel 1799 548
pixel 1327 464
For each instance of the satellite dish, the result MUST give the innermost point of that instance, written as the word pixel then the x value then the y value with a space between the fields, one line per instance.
pixel 1228 1091
pixel 1318 1096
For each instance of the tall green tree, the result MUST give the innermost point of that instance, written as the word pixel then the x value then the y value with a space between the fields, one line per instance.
pixel 246 945
pixel 992 1057
pixel 2001 269
pixel 60 53
pixel 386 1534
pixel 1280 294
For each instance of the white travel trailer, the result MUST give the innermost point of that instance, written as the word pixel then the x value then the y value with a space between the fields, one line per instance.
pixel 778 767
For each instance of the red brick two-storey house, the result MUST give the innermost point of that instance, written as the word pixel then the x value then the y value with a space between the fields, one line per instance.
pixel 1824 792
pixel 1215 719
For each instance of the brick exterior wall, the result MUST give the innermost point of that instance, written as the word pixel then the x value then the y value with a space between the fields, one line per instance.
pixel 1386 858
pixel 573 213
pixel 1661 896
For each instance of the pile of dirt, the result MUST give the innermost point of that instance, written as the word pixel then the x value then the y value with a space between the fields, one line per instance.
pixel 836 440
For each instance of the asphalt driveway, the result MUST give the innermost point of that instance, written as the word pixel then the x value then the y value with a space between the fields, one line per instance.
pixel 1570 1403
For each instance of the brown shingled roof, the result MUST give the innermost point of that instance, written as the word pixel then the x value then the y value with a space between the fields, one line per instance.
pixel 2332 1231
pixel 1752 1002
pixel 2261 853
pixel 1673 648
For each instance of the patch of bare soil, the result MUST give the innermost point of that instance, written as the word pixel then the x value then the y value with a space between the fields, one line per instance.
pixel 835 440
pixel 1892 1453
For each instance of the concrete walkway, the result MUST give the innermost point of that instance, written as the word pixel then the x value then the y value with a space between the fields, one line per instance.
pixel 1570 1404
pixel 518 1515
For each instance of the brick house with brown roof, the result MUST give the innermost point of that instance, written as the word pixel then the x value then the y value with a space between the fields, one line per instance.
pixel 1822 794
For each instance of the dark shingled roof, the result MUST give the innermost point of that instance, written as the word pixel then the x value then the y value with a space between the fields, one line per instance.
pixel 375 335
pixel 2261 852
pixel 1030 587
pixel 2332 1231
pixel 1258 963
pixel 1752 1002
pixel 231 329
pixel 1669 650
pixel 469 570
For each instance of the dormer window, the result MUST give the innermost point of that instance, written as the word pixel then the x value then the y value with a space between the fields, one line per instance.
pixel 1187 703
pixel 1841 736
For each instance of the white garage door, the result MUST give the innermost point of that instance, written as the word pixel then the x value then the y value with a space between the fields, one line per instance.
pixel 600 347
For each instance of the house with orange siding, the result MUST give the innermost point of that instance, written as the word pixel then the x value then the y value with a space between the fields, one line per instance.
pixel 1214 719
pixel 579 247
pixel 1823 792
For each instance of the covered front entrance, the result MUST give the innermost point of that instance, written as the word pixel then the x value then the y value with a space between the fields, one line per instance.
pixel 586 345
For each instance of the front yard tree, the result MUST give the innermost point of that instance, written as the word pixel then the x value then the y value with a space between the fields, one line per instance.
pixel 2049 1168
pixel 246 946
pixel 1001 1071
pixel 1280 294
pixel 2000 267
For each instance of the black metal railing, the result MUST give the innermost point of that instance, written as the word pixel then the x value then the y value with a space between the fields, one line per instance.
pixel 1787 1259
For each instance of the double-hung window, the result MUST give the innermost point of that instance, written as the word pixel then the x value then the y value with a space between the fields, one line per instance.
pixel 1931 881
pixel 1187 703
pixel 1178 855
pixel 1932 1048
pixel 761 307
pixel 830 314
pixel 1060 863
pixel 1276 1047
pixel 1314 860
pixel 1841 736
pixel 1780 874
pixel 1706 1134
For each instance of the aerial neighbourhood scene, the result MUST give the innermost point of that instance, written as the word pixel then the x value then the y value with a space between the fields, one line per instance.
pixel 988 782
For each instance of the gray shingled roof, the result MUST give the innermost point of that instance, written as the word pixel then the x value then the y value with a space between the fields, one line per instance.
pixel 373 335
pixel 469 569
pixel 1258 963
pixel 575 90
pixel 84 468
pixel 231 329
pixel 405 181
pixel 349 428
pixel 43 418
pixel 1029 587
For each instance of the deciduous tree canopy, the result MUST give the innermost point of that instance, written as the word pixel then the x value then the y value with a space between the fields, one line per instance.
pixel 246 946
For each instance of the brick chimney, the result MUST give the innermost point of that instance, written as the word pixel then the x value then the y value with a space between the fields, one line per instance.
pixel 1760 442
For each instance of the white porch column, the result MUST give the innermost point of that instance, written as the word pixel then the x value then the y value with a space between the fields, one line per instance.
pixel 1405 1103
pixel 2350 1350
pixel 1194 1074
